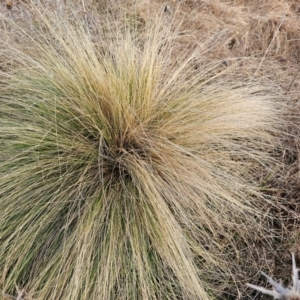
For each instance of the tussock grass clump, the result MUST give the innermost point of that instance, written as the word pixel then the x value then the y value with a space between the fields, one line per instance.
pixel 125 173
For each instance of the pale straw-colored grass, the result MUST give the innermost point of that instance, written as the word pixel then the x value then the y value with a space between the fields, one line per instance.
pixel 125 174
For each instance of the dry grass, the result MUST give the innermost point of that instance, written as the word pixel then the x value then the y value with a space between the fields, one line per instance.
pixel 131 158
pixel 279 291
